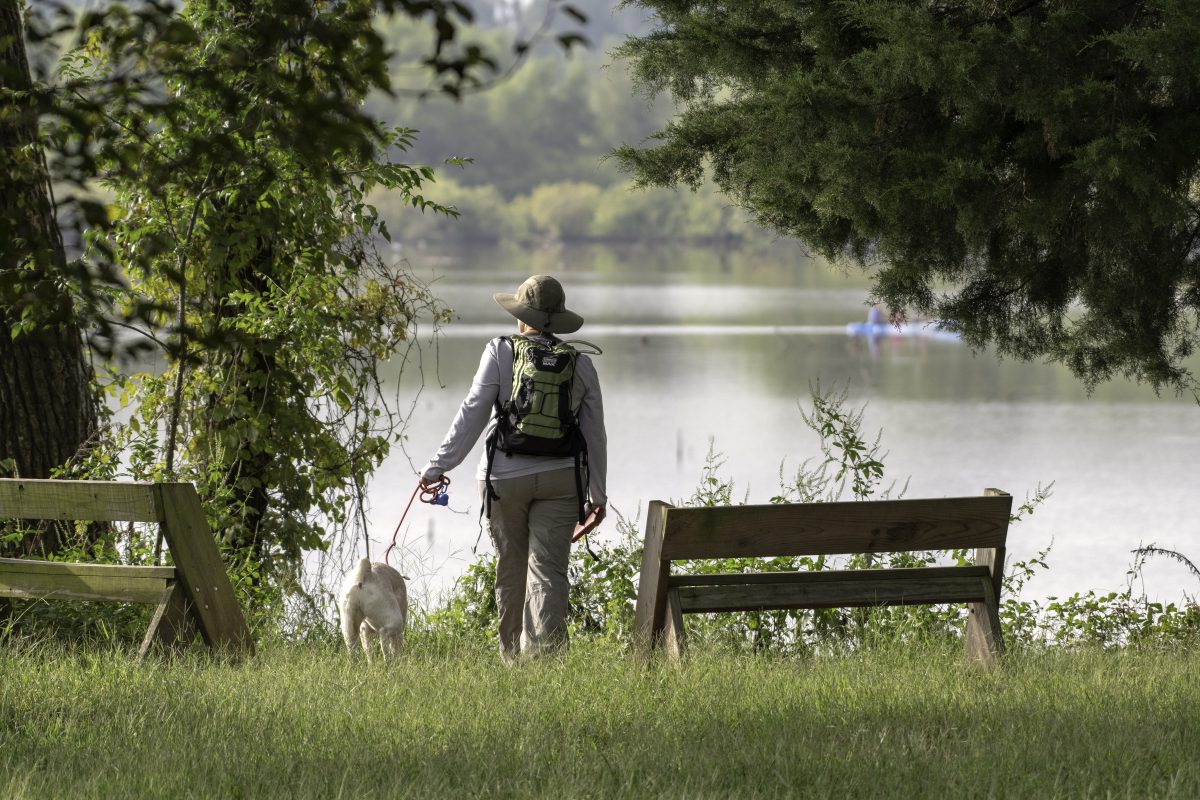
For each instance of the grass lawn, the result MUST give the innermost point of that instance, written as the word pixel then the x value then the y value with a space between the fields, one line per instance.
pixel 304 722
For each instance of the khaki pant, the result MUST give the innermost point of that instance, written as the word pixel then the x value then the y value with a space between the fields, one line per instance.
pixel 531 526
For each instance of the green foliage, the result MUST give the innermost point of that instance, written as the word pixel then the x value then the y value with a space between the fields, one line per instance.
pixel 563 210
pixel 1110 619
pixel 622 212
pixel 1023 170
pixel 470 614
pixel 261 247
pixel 481 214
pixel 289 74
pixel 296 73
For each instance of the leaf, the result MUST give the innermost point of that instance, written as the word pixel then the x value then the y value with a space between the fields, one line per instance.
pixel 575 13
pixel 569 40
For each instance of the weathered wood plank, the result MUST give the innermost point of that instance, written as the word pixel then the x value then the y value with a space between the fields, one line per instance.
pixel 983 639
pixel 993 557
pixel 746 578
pixel 100 570
pixel 27 578
pixel 674 634
pixel 201 571
pixel 33 565
pixel 78 500
pixel 878 526
pixel 650 610
pixel 172 625
pixel 832 594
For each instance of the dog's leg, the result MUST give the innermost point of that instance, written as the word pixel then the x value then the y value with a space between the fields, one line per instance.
pixel 398 641
pixel 352 617
pixel 367 635
pixel 391 637
pixel 396 632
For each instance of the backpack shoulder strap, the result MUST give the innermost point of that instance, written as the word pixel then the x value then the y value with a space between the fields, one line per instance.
pixel 500 399
pixel 593 350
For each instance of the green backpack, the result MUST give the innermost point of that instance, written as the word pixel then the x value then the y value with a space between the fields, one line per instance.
pixel 536 419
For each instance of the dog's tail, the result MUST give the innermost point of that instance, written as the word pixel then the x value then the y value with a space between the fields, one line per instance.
pixel 364 571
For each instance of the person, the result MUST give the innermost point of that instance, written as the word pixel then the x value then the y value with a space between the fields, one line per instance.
pixel 530 504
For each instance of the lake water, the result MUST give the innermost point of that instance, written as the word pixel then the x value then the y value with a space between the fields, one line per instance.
pixel 707 346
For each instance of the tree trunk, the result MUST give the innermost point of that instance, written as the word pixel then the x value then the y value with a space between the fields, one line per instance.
pixel 48 403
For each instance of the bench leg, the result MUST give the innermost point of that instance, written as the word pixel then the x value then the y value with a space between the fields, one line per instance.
pixel 172 625
pixel 984 641
pixel 674 636
pixel 652 585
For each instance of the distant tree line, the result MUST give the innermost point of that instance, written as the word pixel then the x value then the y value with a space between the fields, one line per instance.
pixel 538 141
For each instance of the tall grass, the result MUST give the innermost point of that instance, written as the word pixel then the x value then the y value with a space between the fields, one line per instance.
pixel 1097 700
pixel 449 720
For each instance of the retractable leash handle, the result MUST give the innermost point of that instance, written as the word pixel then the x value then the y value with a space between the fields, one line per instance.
pixel 435 493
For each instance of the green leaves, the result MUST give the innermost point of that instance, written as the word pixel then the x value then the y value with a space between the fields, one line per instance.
pixel 1028 175
pixel 243 231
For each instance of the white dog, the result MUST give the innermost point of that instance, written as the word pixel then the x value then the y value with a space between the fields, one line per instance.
pixel 374 605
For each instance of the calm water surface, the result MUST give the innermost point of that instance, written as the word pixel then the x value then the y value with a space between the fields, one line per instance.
pixel 707 347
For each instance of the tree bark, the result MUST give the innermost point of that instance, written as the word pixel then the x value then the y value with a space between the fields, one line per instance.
pixel 48 402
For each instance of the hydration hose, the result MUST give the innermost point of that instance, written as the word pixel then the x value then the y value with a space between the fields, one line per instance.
pixel 434 494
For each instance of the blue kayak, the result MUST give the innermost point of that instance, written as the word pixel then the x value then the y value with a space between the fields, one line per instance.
pixel 924 330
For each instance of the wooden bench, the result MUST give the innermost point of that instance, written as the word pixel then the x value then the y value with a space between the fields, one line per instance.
pixel 813 529
pixel 192 596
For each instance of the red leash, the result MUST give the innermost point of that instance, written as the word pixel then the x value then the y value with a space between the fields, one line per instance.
pixel 434 494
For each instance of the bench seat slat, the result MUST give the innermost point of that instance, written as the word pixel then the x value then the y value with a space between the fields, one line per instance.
pixel 13 565
pixel 831 594
pixel 739 578
pixel 53 580
pixel 836 528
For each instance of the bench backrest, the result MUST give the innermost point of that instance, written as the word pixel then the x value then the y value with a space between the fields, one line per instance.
pixel 813 529
pixel 880 526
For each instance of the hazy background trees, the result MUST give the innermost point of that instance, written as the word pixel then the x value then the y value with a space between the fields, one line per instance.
pixel 539 141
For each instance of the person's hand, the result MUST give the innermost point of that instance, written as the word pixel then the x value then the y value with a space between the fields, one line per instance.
pixel 591 519
pixel 428 483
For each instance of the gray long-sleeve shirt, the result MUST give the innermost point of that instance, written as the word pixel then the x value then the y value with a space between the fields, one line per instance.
pixel 477 414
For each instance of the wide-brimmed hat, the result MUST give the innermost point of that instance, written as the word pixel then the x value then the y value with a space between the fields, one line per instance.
pixel 540 303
